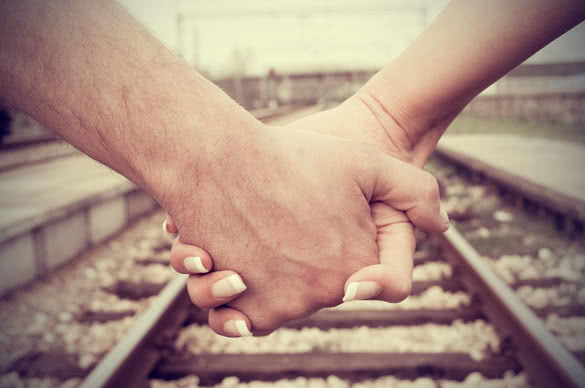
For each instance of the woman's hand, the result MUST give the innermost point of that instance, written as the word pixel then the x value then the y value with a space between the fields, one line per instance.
pixel 362 118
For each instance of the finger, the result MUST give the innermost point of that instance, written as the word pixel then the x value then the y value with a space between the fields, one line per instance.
pixel 391 280
pixel 169 227
pixel 404 187
pixel 215 288
pixel 189 258
pixel 229 322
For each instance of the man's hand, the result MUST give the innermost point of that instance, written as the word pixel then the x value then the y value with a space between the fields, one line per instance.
pixel 404 109
pixel 297 224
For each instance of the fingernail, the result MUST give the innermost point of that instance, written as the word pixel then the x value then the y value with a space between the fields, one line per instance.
pixel 228 286
pixel 444 215
pixel 164 227
pixel 361 290
pixel 237 328
pixel 194 265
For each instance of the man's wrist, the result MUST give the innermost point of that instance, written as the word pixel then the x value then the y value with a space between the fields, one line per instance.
pixel 197 141
pixel 118 95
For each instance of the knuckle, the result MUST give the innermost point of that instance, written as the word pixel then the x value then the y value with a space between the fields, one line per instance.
pixel 198 294
pixel 176 257
pixel 268 324
pixel 296 308
pixel 329 290
pixel 176 266
pixel 364 158
pixel 353 266
pixel 363 252
pixel 331 297
pixel 402 291
pixel 271 314
pixel 370 158
pixel 196 299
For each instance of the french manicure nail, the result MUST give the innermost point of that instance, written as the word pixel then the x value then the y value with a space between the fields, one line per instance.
pixel 194 265
pixel 237 328
pixel 361 290
pixel 228 286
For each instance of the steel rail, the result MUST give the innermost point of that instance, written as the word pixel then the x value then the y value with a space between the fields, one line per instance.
pixel 128 363
pixel 568 206
pixel 547 361
pixel 213 368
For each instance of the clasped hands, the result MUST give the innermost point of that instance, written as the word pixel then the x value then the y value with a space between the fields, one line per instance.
pixel 302 217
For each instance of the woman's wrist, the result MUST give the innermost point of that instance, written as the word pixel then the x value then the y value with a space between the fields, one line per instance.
pixel 410 120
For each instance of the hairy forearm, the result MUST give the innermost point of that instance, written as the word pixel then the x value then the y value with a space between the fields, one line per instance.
pixel 470 45
pixel 88 71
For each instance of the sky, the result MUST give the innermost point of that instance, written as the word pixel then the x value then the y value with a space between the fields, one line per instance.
pixel 226 37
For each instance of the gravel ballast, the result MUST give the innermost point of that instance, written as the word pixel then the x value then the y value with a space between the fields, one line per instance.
pixel 477 338
pixel 75 312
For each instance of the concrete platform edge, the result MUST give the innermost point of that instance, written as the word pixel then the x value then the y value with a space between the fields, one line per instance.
pixel 34 248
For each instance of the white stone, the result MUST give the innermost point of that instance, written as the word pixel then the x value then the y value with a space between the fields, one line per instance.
pixel 544 253
pixel 483 232
pixel 503 216
pixel 65 316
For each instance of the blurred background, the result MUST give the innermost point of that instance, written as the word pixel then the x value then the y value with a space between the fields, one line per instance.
pixel 265 53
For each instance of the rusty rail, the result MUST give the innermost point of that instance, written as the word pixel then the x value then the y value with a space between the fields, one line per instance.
pixel 548 362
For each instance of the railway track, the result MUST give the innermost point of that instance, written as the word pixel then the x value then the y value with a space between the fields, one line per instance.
pixel 525 347
pixel 501 334
pixel 525 344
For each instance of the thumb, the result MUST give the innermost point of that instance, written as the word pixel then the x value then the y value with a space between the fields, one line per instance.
pixel 391 280
pixel 404 187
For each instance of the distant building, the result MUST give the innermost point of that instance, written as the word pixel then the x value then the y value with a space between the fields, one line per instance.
pixel 223 38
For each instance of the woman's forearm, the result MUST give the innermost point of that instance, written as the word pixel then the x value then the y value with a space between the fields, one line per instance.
pixel 470 45
pixel 92 74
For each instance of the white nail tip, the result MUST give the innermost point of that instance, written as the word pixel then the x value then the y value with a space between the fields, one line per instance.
pixel 351 292
pixel 237 328
pixel 237 283
pixel 228 287
pixel 194 264
pixel 243 329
